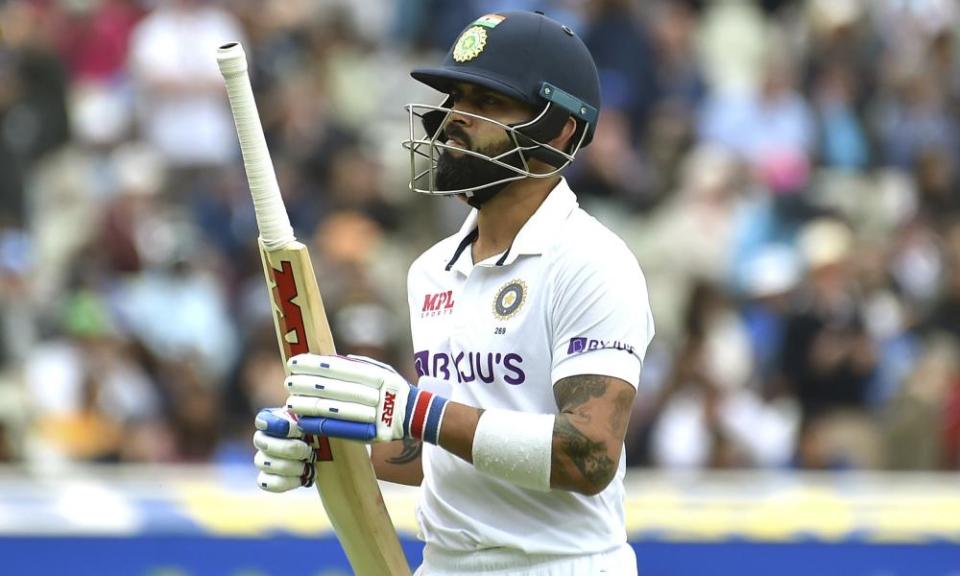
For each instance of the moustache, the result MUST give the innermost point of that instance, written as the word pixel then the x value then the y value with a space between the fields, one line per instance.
pixel 456 132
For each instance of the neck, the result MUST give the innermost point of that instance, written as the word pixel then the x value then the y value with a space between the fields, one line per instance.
pixel 501 217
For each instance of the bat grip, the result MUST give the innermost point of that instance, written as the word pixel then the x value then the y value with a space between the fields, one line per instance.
pixel 272 219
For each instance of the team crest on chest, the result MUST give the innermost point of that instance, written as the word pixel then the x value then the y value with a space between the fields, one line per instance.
pixel 509 299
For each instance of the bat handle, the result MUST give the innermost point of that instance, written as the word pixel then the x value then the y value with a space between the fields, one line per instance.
pixel 338 428
pixel 272 219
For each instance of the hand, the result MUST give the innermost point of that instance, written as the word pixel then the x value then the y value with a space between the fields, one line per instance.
pixel 360 399
pixel 284 456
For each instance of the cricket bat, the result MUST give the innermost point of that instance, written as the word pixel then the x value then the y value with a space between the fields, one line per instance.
pixel 345 477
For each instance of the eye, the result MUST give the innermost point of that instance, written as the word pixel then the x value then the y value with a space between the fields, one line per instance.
pixel 489 101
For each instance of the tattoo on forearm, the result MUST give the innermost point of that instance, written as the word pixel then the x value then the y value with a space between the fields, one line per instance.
pixel 411 451
pixel 575 391
pixel 589 456
pixel 594 411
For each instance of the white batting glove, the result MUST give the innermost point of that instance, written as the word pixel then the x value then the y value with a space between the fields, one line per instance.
pixel 359 398
pixel 284 456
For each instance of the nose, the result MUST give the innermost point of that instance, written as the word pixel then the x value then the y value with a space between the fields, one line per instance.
pixel 462 119
pixel 457 125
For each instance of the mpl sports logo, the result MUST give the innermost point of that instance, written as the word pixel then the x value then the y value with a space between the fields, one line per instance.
pixel 437 304
pixel 581 344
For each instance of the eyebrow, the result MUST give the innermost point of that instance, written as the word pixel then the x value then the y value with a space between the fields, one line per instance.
pixel 477 91
pixel 474 91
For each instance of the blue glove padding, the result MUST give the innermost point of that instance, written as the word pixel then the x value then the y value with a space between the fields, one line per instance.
pixel 338 428
pixel 270 421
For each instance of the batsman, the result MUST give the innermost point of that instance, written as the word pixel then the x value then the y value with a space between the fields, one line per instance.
pixel 529 327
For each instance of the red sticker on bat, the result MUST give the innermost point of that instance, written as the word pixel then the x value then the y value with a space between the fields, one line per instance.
pixel 291 316
pixel 294 333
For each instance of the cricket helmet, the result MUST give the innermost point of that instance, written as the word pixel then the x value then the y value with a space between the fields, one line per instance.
pixel 525 56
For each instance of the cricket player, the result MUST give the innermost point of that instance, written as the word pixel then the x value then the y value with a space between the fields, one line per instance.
pixel 529 327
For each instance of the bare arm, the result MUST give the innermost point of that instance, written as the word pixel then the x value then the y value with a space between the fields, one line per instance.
pixel 589 431
pixel 587 434
pixel 398 461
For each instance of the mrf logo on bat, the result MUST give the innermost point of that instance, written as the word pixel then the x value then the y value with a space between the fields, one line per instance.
pixel 291 317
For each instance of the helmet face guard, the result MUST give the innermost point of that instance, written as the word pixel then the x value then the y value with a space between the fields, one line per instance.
pixel 527 139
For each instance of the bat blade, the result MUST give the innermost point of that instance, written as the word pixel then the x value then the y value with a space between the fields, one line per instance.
pixel 345 479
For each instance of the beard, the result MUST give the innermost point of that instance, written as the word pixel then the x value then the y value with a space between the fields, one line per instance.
pixel 470 172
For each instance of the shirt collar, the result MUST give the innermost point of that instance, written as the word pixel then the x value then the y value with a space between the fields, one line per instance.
pixel 534 236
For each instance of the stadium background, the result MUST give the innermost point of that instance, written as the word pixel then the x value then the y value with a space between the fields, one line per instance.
pixel 785 171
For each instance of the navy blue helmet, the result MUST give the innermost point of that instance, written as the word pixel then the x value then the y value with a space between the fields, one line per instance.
pixel 528 57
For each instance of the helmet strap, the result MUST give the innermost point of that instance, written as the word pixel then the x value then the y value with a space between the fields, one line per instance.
pixel 546 128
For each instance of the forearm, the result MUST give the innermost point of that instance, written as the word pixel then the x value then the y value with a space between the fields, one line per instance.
pixel 459 429
pixel 398 462
pixel 580 457
pixel 581 460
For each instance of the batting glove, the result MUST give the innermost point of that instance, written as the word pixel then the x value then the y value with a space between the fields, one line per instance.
pixel 285 455
pixel 359 398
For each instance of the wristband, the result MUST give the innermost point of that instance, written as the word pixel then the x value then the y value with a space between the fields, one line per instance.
pixel 515 446
pixel 423 416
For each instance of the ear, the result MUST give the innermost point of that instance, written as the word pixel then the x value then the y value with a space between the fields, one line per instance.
pixel 562 140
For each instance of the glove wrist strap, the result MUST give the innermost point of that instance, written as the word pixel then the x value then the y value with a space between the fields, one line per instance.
pixel 423 416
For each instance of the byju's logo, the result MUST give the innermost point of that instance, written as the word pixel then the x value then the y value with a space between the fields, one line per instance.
pixel 466 367
pixel 580 344
pixel 437 304
pixel 577 345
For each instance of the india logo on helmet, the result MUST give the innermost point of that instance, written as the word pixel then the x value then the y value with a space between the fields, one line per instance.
pixel 470 44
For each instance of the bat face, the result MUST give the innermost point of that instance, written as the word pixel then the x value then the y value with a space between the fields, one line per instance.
pixel 282 274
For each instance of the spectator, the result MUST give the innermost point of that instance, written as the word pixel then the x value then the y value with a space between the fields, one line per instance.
pixel 181 107
pixel 773 121
pixel 93 39
pixel 693 428
pixel 826 356
pixel 33 103
pixel 177 308
pixel 87 388
pixel 842 139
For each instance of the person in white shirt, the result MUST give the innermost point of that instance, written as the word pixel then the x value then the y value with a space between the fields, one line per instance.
pixel 529 325
pixel 182 111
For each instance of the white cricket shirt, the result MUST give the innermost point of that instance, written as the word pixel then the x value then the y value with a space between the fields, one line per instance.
pixel 567 298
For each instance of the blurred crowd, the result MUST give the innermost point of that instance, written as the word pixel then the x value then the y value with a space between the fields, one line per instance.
pixel 787 172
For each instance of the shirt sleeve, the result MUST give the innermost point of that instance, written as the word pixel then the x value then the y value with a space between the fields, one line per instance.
pixel 601 321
